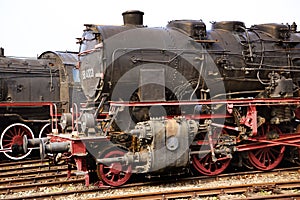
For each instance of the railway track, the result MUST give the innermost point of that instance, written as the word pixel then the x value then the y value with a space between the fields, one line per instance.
pixel 34 170
pixel 33 174
pixel 194 192
pixel 45 185
pixel 179 193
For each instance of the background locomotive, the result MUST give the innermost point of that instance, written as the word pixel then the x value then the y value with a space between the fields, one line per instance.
pixel 29 90
pixel 179 97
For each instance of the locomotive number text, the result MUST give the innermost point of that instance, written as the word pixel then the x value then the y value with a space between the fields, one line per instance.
pixel 88 73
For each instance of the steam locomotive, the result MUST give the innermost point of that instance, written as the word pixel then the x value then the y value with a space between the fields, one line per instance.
pixel 180 98
pixel 34 93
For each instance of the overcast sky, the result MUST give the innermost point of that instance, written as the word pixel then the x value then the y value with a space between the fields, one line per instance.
pixel 30 27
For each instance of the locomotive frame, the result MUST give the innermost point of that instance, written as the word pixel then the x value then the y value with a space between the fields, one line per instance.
pixel 115 165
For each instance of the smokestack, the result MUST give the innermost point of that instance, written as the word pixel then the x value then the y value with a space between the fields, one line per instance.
pixel 1 52
pixel 133 17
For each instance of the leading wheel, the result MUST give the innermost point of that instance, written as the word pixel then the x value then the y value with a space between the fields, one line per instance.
pixel 204 163
pixel 269 157
pixel 12 138
pixel 115 173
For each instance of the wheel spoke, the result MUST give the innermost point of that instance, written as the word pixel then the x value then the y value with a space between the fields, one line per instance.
pixel 9 135
pixel 112 177
pixel 8 145
pixel 17 131
pixel 267 158
pixel 271 155
pixel 264 157
pixel 259 153
pixel 22 133
pixel 206 160
pixel 13 132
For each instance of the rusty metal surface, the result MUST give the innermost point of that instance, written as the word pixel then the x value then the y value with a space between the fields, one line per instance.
pixel 65 57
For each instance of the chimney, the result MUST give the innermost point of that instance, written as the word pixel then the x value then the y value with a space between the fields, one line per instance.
pixel 133 17
pixel 1 52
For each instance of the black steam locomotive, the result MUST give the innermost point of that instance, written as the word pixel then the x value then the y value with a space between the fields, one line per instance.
pixel 34 93
pixel 182 97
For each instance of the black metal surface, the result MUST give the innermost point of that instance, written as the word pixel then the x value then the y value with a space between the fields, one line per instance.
pixel 48 78
pixel 244 58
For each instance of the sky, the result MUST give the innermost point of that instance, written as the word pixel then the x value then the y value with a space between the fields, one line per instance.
pixel 31 27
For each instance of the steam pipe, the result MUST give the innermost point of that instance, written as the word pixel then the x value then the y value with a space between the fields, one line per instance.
pixel 122 159
pixel 128 158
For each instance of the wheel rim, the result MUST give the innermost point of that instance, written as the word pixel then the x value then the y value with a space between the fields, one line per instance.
pixel 205 164
pixel 267 158
pixel 48 129
pixel 114 174
pixel 13 135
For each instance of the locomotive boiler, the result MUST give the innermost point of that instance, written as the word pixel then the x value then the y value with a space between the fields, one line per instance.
pixel 34 92
pixel 179 98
